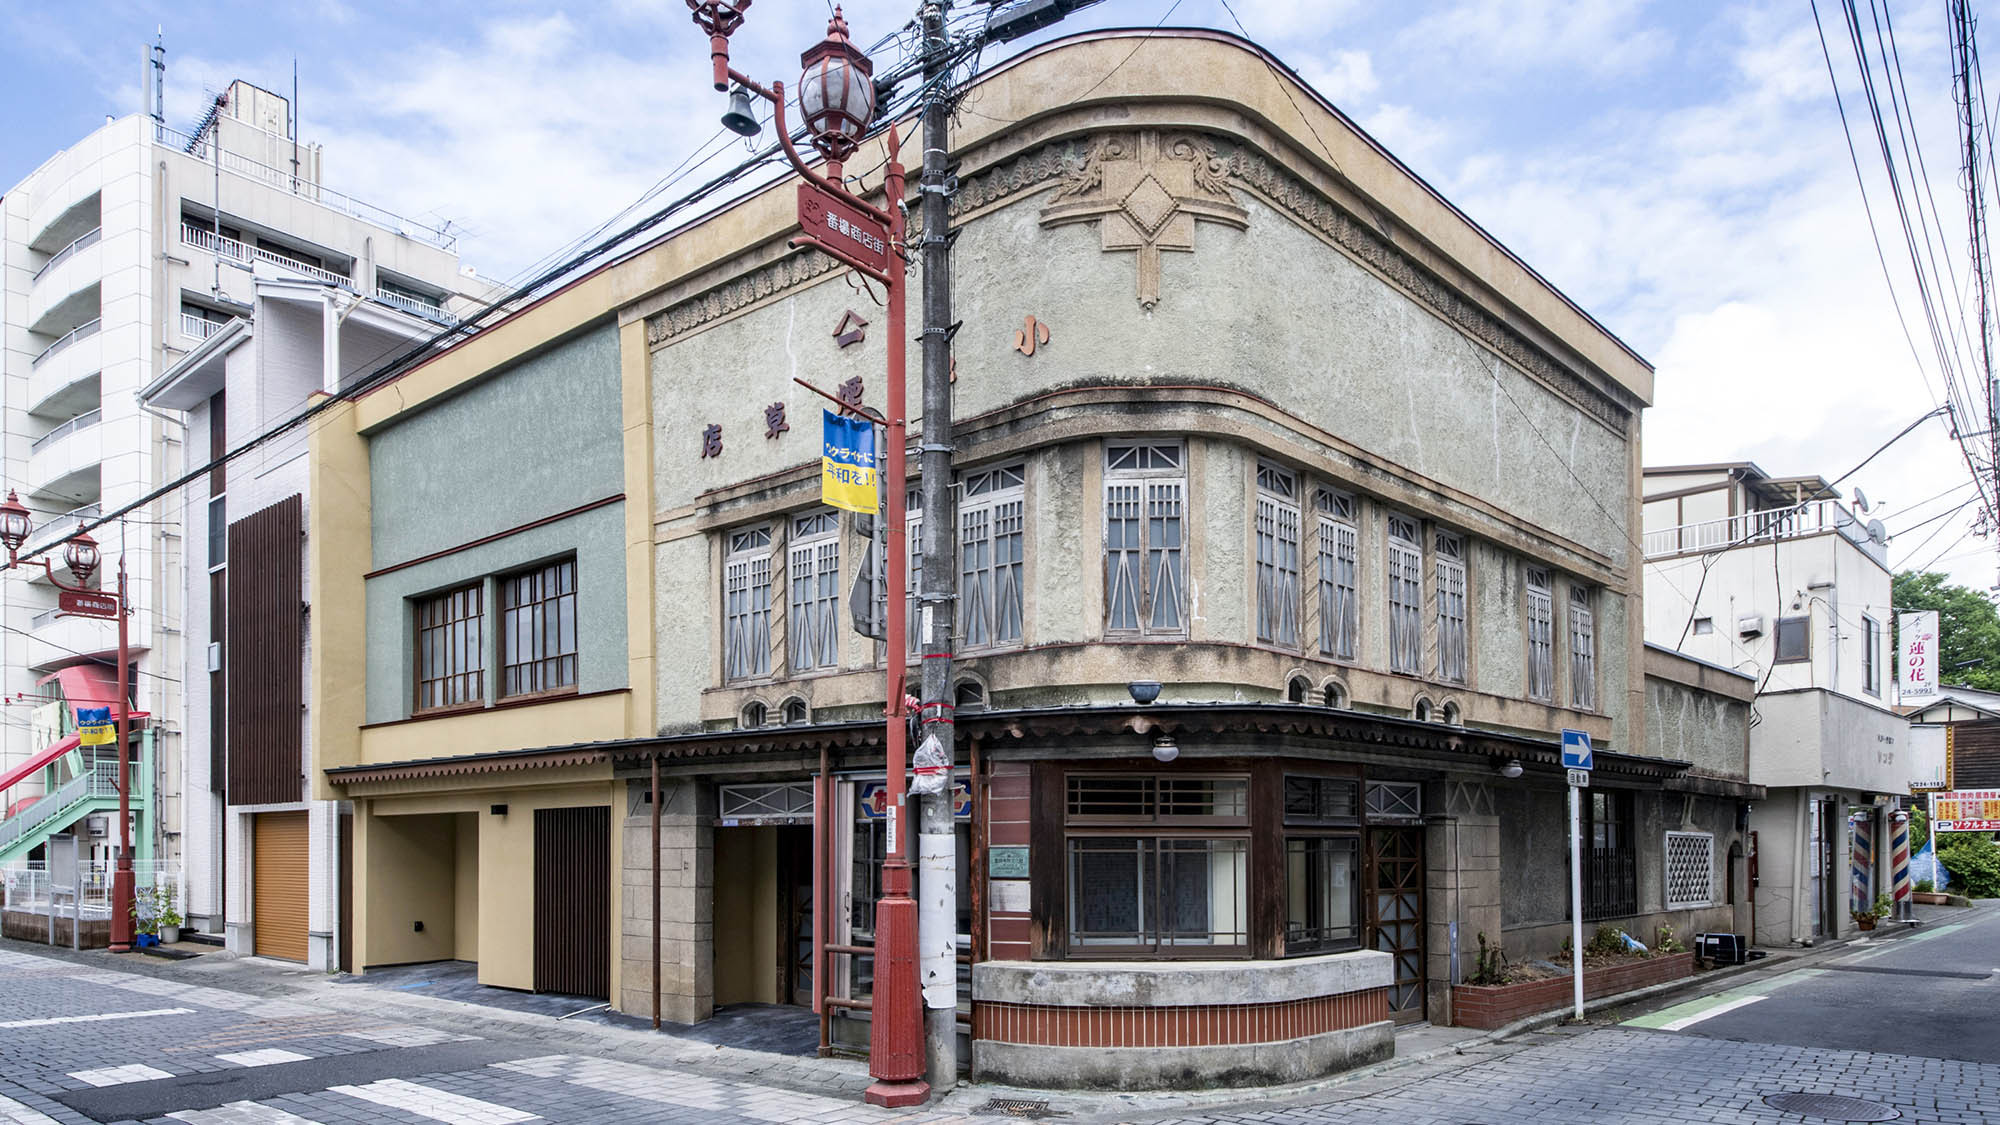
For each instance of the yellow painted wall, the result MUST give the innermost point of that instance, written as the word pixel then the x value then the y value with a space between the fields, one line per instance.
pixel 746 916
pixel 410 876
pixel 465 891
pixel 338 537
pixel 558 722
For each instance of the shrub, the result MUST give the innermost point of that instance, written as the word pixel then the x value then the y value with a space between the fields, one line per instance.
pixel 1491 967
pixel 1666 942
pixel 1920 828
pixel 1607 941
pixel 1925 886
pixel 1974 861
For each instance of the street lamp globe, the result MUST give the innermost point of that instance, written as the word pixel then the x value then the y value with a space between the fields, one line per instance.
pixel 82 557
pixel 836 91
pixel 14 522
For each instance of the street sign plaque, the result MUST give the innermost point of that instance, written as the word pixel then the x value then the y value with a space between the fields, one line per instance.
pixel 1576 750
pixel 844 228
pixel 1579 778
pixel 87 604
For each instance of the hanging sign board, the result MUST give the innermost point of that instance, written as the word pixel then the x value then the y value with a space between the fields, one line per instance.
pixel 1966 810
pixel 847 463
pixel 94 728
pixel 848 231
pixel 1917 640
pixel 87 604
pixel 874 798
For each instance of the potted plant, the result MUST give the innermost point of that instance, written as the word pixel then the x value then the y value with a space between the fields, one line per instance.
pixel 145 917
pixel 1866 919
pixel 166 917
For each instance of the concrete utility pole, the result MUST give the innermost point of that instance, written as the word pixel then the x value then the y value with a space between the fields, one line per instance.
pixel 937 842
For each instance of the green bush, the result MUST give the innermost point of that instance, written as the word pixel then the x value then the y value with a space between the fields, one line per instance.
pixel 1920 828
pixel 1924 887
pixel 1607 941
pixel 1974 860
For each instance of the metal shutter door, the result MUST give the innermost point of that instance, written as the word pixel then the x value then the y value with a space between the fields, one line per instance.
pixel 278 900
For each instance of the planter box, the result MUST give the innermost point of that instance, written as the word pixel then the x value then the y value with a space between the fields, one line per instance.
pixel 1929 898
pixel 24 926
pixel 1490 1006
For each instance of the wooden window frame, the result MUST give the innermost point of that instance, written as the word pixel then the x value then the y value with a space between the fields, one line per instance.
pixel 1539 611
pixel 992 567
pixel 745 549
pixel 1339 576
pixel 1582 620
pixel 812 593
pixel 1158 484
pixel 1279 522
pixel 535 664
pixel 470 598
pixel 1450 573
pixel 1148 830
pixel 1405 553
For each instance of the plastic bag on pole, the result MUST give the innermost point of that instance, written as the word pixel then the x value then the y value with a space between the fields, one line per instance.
pixel 931 767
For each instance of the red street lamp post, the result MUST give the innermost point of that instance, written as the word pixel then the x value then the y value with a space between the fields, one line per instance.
pixel 82 557
pixel 837 96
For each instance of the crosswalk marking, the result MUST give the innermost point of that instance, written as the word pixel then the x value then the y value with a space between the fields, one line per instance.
pixel 51 1021
pixel 438 1105
pixel 404 1035
pixel 268 1056
pixel 1689 1021
pixel 14 1113
pixel 241 1113
pixel 119 1075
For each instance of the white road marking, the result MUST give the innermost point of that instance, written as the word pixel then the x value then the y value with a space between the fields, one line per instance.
pixel 119 1075
pixel 267 1056
pixel 404 1035
pixel 1689 1021
pixel 14 1113
pixel 53 1020
pixel 438 1105
pixel 241 1113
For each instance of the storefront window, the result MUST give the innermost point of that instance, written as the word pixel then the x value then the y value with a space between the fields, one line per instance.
pixel 1158 865
pixel 1322 863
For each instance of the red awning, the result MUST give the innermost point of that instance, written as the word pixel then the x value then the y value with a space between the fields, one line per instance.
pixel 41 758
pixel 89 685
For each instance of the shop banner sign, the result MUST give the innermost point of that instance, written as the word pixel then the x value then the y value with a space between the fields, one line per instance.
pixel 93 727
pixel 847 464
pixel 1917 640
pixel 1966 810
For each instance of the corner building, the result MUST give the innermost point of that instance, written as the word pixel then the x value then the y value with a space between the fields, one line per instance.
pixel 1242 407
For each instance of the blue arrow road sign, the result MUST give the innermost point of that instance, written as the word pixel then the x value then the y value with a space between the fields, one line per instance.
pixel 1576 750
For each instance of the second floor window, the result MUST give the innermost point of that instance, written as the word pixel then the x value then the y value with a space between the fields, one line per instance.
pixel 1541 636
pixel 1277 556
pixel 538 629
pixel 989 547
pixel 1339 585
pixel 1871 665
pixel 1145 515
pixel 1450 568
pixel 814 618
pixel 1406 596
pixel 451 666
pixel 746 604
pixel 1582 650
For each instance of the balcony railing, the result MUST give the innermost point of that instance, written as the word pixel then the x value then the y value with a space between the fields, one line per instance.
pixel 59 526
pixel 283 178
pixel 235 251
pixel 430 310
pixel 80 422
pixel 63 254
pixel 1811 518
pixel 98 781
pixel 87 328
pixel 199 328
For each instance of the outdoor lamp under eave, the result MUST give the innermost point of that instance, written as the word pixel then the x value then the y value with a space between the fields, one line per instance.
pixel 836 91
pixel 14 523
pixel 82 557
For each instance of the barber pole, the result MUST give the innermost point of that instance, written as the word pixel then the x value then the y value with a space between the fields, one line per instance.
pixel 1899 861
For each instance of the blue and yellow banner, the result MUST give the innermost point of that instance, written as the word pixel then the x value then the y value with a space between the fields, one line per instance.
pixel 847 464
pixel 94 728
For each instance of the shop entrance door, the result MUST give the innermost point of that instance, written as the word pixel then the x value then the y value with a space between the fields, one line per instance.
pixel 1396 913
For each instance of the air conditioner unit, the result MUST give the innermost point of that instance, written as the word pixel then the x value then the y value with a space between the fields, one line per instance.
pixel 97 827
pixel 1750 625
pixel 215 656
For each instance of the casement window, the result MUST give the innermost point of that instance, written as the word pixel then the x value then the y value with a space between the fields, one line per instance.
pixel 1339 579
pixel 1793 638
pixel 451 668
pixel 746 604
pixel 1582 650
pixel 1871 664
pixel 1541 614
pixel 1406 596
pixel 989 558
pixel 1322 864
pixel 1449 573
pixel 813 616
pixel 538 629
pixel 1610 856
pixel 1145 516
pixel 1157 866
pixel 1277 556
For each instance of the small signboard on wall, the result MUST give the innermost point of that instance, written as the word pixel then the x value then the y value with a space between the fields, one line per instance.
pixel 1007 861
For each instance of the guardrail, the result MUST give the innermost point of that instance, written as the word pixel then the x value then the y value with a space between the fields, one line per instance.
pixel 28 887
pixel 199 328
pixel 429 310
pixel 62 255
pixel 98 781
pixel 283 178
pixel 1810 518
pixel 230 248
pixel 87 328
pixel 82 421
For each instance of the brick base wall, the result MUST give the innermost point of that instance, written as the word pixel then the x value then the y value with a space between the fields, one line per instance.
pixel 1220 1024
pixel 1491 1006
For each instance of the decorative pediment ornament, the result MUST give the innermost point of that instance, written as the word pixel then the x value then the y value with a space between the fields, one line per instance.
pixel 1145 193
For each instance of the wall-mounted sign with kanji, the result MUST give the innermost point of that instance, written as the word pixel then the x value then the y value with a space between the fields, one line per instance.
pixel 711 441
pixel 844 228
pixel 774 420
pixel 849 394
pixel 847 464
pixel 852 329
pixel 1032 334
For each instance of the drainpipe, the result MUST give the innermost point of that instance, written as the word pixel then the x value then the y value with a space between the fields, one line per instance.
pixel 656 892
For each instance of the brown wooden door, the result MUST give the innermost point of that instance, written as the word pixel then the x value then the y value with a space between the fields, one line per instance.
pixel 1396 913
pixel 279 885
pixel 573 901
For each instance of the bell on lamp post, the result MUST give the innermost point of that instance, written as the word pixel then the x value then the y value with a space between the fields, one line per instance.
pixel 836 92
pixel 14 523
pixel 82 557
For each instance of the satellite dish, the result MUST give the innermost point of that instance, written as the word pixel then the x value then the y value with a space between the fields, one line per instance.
pixel 1876 532
pixel 1860 499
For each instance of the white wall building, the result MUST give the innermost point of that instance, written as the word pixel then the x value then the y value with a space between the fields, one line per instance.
pixel 119 256
pixel 1778 578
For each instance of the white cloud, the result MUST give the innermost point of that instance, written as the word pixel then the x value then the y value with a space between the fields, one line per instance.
pixel 1491 40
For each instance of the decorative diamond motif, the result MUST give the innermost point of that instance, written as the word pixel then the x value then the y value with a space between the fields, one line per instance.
pixel 1690 869
pixel 1150 204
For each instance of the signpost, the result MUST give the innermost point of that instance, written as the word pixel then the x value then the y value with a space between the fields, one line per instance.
pixel 1577 760
pixel 861 238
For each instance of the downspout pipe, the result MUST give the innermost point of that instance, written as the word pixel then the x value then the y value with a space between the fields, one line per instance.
pixel 656 892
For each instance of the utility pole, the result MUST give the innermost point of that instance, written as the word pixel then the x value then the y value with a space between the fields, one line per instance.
pixel 937 841
pixel 1969 114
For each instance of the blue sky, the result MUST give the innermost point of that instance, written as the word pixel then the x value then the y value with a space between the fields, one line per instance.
pixel 1677 168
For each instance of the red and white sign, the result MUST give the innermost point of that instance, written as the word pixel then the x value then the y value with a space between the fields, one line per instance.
pixel 1917 638
pixel 1966 810
pixel 83 603
pixel 851 233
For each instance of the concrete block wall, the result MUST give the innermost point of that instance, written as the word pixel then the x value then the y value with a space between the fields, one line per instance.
pixel 1461 884
pixel 687 881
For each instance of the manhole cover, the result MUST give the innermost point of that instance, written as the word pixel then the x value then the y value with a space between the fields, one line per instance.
pixel 1020 1107
pixel 1831 1106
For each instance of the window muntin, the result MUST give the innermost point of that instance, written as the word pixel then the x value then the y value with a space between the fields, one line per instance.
pixel 538 630
pixel 1277 556
pixel 451 666
pixel 1395 800
pixel 1339 578
pixel 1124 798
pixel 1541 624
pixel 1793 640
pixel 1449 572
pixel 1158 863
pixel 1871 666
pixel 1690 876
pixel 1406 597
pixel 1145 514
pixel 1322 800
pixel 746 605
pixel 989 568
pixel 1582 650
pixel 814 615
pixel 1322 893
pixel 1611 866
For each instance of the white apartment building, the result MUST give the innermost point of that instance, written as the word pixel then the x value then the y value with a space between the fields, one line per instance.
pixel 1777 577
pixel 120 256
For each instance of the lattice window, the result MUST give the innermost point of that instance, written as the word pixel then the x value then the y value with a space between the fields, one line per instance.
pixel 1406 597
pixel 1145 513
pixel 1541 636
pixel 538 629
pixel 1690 870
pixel 814 622
pixel 1582 650
pixel 1277 557
pixel 450 656
pixel 1450 569
pixel 989 544
pixel 1395 800
pixel 788 801
pixel 746 605
pixel 1339 583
